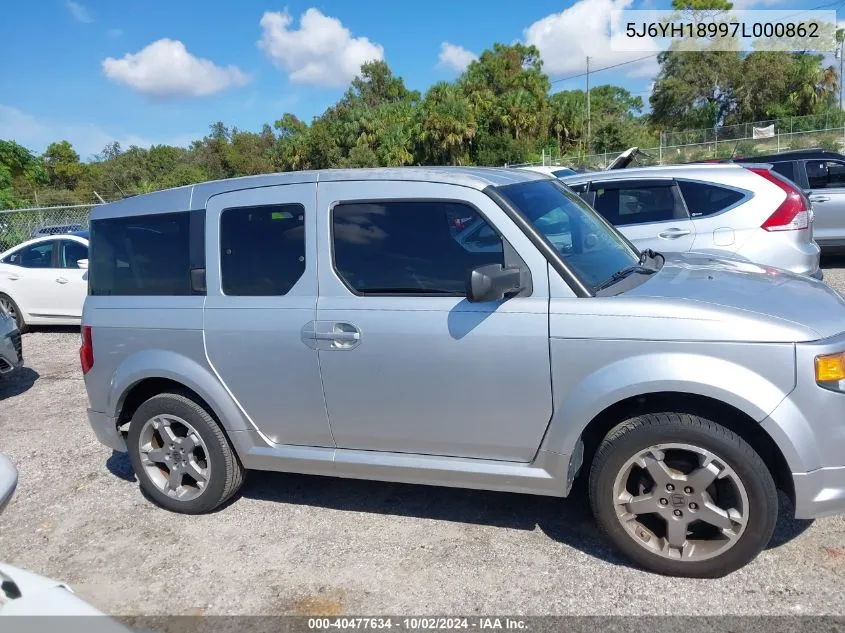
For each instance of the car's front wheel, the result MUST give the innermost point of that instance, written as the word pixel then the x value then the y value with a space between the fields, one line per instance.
pixel 682 495
pixel 182 458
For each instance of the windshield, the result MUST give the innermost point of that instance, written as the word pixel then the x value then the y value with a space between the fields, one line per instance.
pixel 591 248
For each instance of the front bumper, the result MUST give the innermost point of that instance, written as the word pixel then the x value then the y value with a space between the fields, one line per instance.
pixel 105 428
pixel 809 428
pixel 819 493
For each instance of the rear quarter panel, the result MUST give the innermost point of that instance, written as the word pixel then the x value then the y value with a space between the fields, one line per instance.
pixel 731 229
pixel 151 337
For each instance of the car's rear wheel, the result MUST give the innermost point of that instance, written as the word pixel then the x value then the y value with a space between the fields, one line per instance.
pixel 682 495
pixel 11 307
pixel 182 458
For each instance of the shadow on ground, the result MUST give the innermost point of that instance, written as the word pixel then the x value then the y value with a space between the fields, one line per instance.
pixel 833 261
pixel 17 382
pixel 569 521
pixel 120 466
pixel 57 329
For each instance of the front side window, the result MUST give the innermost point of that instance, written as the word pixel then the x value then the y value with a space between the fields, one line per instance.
pixel 703 199
pixel 70 252
pixel 825 174
pixel 638 205
pixel 141 255
pixel 411 247
pixel 262 249
pixel 36 256
pixel 592 249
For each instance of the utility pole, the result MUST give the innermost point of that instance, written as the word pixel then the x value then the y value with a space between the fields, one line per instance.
pixel 587 148
pixel 839 54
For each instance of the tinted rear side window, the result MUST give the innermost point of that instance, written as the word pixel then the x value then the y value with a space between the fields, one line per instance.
pixel 413 248
pixel 638 204
pixel 785 169
pixel 141 255
pixel 262 250
pixel 704 199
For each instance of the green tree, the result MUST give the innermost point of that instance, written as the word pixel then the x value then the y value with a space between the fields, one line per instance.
pixel 448 124
pixel 61 163
pixel 508 92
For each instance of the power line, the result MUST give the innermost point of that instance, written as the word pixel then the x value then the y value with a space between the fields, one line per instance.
pixel 596 70
pixel 837 3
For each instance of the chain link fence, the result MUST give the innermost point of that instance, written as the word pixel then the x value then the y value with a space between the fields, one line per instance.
pixel 19 225
pixel 825 131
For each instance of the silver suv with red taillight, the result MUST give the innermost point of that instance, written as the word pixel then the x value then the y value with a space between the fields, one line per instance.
pixel 746 210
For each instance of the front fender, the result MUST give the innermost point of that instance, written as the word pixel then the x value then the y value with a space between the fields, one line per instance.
pixel 578 401
pixel 162 363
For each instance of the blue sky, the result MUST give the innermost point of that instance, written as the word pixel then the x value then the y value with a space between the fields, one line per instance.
pixel 161 71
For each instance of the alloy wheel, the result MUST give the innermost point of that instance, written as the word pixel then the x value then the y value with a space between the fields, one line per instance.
pixel 174 456
pixel 681 502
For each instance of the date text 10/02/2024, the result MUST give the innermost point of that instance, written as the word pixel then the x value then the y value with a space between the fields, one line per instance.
pixel 417 623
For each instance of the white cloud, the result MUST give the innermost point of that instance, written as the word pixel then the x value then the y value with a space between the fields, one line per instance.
pixel 321 53
pixel 565 40
pixel 79 12
pixel 455 57
pixel 87 139
pixel 165 68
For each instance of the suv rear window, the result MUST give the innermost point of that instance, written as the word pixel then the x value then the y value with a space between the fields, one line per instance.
pixel 262 250
pixel 637 204
pixel 140 255
pixel 704 199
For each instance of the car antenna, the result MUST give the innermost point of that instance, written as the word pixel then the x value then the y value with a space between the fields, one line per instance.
pixel 733 153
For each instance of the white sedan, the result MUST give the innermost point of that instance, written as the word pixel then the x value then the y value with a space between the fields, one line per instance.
pixel 44 281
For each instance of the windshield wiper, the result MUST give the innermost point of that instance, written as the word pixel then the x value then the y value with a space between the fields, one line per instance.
pixel 619 275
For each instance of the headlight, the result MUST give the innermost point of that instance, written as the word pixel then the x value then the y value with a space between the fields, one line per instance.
pixel 830 371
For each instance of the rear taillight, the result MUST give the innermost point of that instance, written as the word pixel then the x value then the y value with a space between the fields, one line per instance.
pixel 794 213
pixel 86 352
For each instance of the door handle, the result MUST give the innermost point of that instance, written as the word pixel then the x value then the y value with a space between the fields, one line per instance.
pixel 13 277
pixel 345 337
pixel 673 233
pixel 61 280
pixel 340 336
pixel 819 198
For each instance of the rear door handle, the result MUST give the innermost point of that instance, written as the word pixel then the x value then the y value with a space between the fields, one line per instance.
pixel 61 280
pixel 337 336
pixel 13 276
pixel 819 198
pixel 673 233
pixel 346 337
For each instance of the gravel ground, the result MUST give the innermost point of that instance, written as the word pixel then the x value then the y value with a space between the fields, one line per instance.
pixel 299 544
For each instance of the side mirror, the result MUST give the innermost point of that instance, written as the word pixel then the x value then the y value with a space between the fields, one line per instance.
pixel 82 263
pixel 8 480
pixel 492 282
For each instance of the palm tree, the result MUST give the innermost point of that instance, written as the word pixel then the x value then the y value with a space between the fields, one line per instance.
pixel 448 122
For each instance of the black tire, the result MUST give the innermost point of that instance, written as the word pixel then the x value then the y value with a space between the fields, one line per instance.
pixel 227 474
pixel 23 328
pixel 638 434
